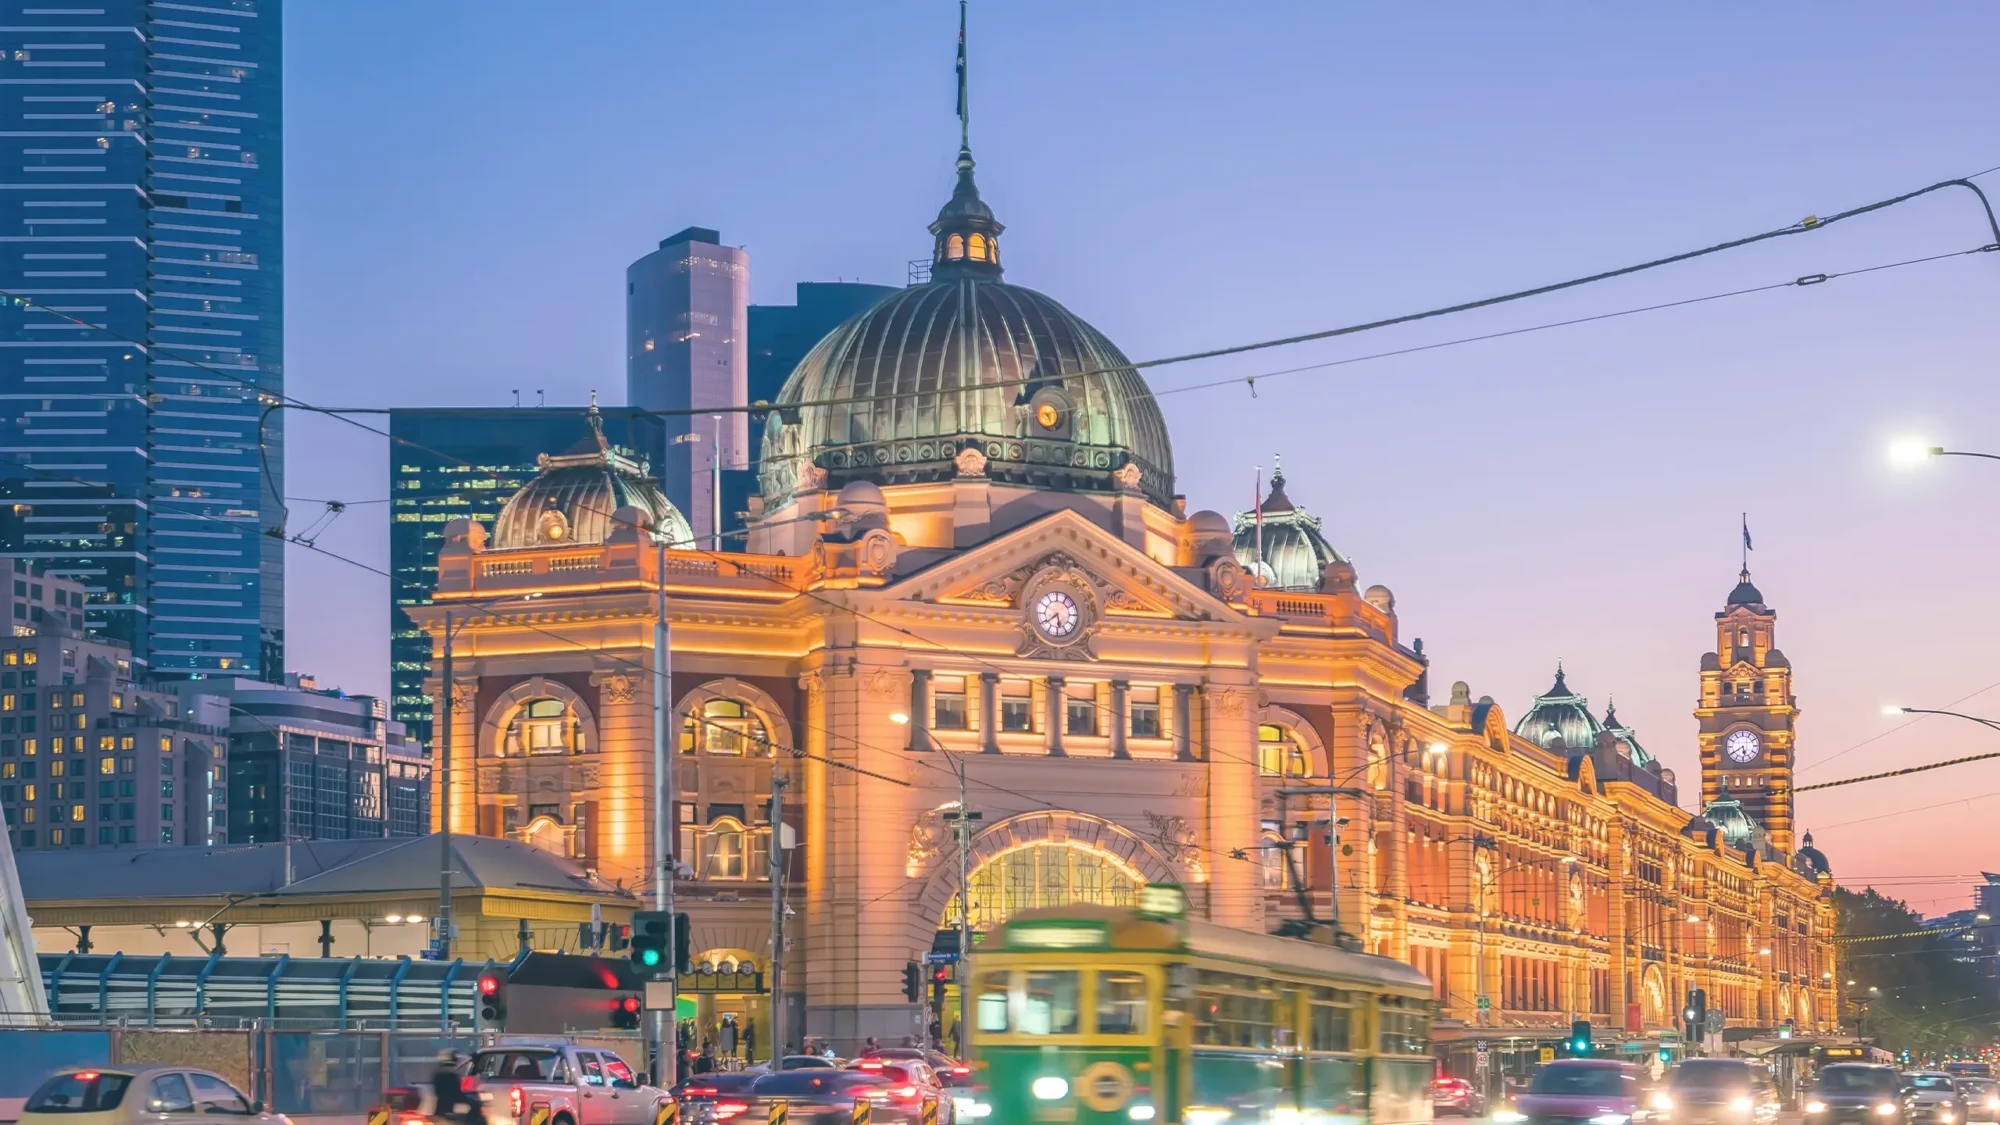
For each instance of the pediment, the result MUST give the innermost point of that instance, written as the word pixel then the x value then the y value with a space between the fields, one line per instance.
pixel 1123 581
pixel 1743 669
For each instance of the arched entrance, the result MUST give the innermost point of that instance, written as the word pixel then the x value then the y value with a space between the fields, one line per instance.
pixel 1045 873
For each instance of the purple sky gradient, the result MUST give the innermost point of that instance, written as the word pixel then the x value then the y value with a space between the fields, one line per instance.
pixel 467 183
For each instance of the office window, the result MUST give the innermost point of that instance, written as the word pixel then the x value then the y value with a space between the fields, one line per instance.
pixel 1016 713
pixel 104 835
pixel 1145 716
pixel 1079 715
pixel 104 765
pixel 166 834
pixel 127 834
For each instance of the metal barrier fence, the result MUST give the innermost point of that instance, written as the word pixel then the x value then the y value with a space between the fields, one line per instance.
pixel 293 1072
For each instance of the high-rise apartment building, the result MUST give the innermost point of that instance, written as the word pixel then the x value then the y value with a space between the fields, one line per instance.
pixel 687 338
pixel 142 336
pixel 463 462
pixel 781 335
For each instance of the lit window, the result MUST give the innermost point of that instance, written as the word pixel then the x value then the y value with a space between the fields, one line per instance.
pixel 975 248
pixel 27 792
pixel 725 726
pixel 1278 752
pixel 166 745
pixel 543 726
pixel 722 850
pixel 76 699
pixel 954 248
pixel 104 765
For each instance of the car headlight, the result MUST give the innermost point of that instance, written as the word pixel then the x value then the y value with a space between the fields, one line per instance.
pixel 1886 1109
pixel 1815 1107
pixel 1610 1119
pixel 1740 1105
pixel 1662 1102
pixel 1945 1116
pixel 1993 1103
pixel 1050 1088
pixel 1509 1116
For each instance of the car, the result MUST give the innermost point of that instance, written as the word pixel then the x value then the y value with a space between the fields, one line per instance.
pixel 700 1096
pixel 1853 1093
pixel 1572 1090
pixel 1717 1092
pixel 1456 1095
pixel 1931 1097
pixel 810 1062
pixel 826 1096
pixel 118 1095
pixel 579 1085
pixel 911 1083
pixel 1982 1099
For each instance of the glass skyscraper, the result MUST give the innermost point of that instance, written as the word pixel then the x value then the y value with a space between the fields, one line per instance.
pixel 141 254
pixel 453 463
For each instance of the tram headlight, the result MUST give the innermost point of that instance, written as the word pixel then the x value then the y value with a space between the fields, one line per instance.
pixel 1049 1088
pixel 1140 1112
pixel 1610 1119
pixel 1509 1117
pixel 1815 1107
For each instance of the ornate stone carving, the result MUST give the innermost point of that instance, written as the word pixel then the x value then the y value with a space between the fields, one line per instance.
pixel 1175 839
pixel 881 683
pixel 1231 703
pixel 928 836
pixel 1127 476
pixel 619 688
pixel 1059 574
pixel 970 462
pixel 1226 580
pixel 811 478
pixel 587 776
pixel 461 700
pixel 814 685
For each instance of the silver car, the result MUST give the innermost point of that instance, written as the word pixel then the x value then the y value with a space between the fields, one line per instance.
pixel 147 1095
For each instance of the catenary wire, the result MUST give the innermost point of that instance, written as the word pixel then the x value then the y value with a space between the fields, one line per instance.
pixel 1898 728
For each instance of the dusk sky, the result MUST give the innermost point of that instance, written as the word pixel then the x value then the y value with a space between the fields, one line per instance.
pixel 466 184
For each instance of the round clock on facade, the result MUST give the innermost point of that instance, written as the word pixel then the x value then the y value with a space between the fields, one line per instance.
pixel 1046 415
pixel 1742 746
pixel 1057 615
pixel 555 526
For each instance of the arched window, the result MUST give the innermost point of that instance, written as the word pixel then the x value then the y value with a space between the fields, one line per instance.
pixel 725 726
pixel 954 247
pixel 1041 875
pixel 1279 753
pixel 1742 638
pixel 975 247
pixel 543 726
pixel 724 849
pixel 1277 864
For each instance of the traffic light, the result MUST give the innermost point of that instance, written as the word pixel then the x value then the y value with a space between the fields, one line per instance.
pixel 683 944
pixel 1580 1039
pixel 1696 1012
pixel 940 976
pixel 625 1013
pixel 913 982
pixel 618 936
pixel 649 942
pixel 492 998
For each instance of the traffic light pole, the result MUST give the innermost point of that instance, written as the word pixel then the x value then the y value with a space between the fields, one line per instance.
pixel 665 1021
pixel 775 1033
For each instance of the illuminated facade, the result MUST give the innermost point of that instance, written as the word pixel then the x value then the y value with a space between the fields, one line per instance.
pixel 968 552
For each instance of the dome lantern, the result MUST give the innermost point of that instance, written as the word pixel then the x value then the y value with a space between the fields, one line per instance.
pixel 967 235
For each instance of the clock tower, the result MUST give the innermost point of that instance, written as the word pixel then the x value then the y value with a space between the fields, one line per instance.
pixel 1748 715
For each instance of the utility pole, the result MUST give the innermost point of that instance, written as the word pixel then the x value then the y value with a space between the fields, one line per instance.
pixel 775 1033
pixel 715 488
pixel 665 1022
pixel 962 820
pixel 441 940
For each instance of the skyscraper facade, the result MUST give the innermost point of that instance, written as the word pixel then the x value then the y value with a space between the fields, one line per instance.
pixel 688 348
pixel 781 335
pixel 142 334
pixel 451 463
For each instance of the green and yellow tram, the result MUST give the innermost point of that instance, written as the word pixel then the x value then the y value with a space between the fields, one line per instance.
pixel 1092 1015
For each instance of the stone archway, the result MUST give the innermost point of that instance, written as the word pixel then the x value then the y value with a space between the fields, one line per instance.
pixel 493 725
pixel 1653 998
pixel 1117 848
pixel 1317 762
pixel 777 726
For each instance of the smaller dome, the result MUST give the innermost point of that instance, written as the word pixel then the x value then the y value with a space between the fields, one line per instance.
pixel 1206 522
pixel 1628 740
pixel 574 498
pixel 1560 715
pixel 1809 860
pixel 1745 593
pixel 1380 597
pixel 1294 552
pixel 860 496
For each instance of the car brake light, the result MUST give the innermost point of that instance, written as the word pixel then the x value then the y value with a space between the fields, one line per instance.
pixel 723 1111
pixel 517 1102
pixel 871 1066
pixel 961 1070
pixel 906 1092
pixel 699 1091
pixel 86 1076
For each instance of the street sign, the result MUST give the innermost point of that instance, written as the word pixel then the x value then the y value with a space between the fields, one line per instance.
pixel 940 958
pixel 1548 1054
pixel 1714 1024
pixel 1485 1003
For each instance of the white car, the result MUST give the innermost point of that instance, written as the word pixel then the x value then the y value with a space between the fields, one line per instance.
pixel 147 1095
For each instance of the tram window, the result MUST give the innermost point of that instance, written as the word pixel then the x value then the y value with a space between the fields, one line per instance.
pixel 1050 1006
pixel 1330 1029
pixel 1234 1011
pixel 1121 1003
pixel 990 1009
pixel 1404 1033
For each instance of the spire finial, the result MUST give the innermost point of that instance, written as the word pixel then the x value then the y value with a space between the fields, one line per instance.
pixel 964 103
pixel 1277 471
pixel 596 422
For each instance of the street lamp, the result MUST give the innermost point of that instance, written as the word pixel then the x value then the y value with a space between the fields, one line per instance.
pixel 1894 710
pixel 1911 452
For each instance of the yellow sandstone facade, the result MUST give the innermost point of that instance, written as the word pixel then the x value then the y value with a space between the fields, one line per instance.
pixel 968 555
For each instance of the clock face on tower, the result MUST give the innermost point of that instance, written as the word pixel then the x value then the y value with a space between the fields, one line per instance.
pixel 1057 615
pixel 1742 747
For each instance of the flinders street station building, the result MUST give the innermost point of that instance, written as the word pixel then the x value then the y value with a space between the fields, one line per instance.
pixel 969 555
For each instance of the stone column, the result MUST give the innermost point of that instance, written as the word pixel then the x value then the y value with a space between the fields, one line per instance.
pixel 1052 738
pixel 1119 724
pixel 920 709
pixel 1236 890
pixel 989 712
pixel 1184 722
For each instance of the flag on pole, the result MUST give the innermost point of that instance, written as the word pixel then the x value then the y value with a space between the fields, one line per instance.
pixel 1257 506
pixel 1746 531
pixel 961 61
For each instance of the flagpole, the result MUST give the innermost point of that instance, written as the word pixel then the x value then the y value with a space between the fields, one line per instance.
pixel 964 102
pixel 1257 506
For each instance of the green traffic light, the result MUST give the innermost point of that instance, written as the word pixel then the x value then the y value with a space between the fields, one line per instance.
pixel 649 957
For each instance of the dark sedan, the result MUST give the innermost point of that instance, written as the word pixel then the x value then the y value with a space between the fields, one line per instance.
pixel 827 1097
pixel 714 1099
pixel 1855 1094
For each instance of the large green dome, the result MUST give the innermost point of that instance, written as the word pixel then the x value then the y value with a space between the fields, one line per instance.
pixel 897 393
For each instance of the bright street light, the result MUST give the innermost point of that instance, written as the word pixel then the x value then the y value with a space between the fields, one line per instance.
pixel 899 718
pixel 1437 748
pixel 1892 709
pixel 1910 452
pixel 1694 917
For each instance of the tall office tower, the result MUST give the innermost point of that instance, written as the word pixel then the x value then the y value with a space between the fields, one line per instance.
pixel 781 335
pixel 142 334
pixel 448 463
pixel 688 348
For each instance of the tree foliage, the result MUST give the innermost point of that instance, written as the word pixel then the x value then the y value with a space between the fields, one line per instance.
pixel 1921 992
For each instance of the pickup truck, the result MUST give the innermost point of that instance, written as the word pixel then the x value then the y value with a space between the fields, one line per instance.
pixel 577 1085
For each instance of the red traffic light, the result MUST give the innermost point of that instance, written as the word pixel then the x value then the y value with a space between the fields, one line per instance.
pixel 941 975
pixel 489 984
pixel 630 1004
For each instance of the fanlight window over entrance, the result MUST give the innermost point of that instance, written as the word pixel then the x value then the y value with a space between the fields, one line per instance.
pixel 544 726
pixel 1279 753
pixel 1043 875
pixel 725 726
